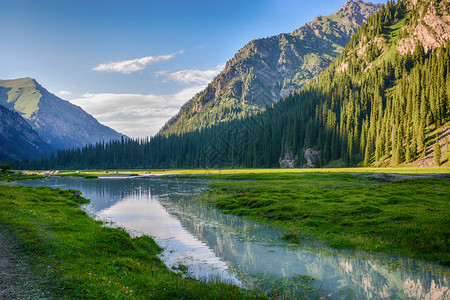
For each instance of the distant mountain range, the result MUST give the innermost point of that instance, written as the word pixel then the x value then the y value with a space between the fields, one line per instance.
pixel 58 123
pixel 267 69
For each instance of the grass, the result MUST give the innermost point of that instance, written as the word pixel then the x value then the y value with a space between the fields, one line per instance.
pixel 80 258
pixel 396 170
pixel 10 176
pixel 84 175
pixel 409 218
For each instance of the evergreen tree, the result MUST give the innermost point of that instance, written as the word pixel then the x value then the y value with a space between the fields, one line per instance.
pixel 437 152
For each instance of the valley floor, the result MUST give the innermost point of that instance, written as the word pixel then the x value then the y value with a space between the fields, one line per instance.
pixel 373 211
pixel 403 211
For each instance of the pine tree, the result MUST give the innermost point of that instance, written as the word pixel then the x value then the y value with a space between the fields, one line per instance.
pixel 437 152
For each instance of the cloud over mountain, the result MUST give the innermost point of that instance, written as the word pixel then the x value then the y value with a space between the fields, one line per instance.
pixel 136 115
pixel 132 65
pixel 194 76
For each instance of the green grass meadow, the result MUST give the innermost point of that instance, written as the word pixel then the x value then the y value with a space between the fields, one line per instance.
pixel 81 259
pixel 409 217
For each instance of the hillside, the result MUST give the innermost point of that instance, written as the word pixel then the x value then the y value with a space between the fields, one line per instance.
pixel 267 69
pixel 58 122
pixel 17 138
pixel 376 105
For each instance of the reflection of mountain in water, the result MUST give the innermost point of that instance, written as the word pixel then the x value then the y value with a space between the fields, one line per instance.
pixel 254 249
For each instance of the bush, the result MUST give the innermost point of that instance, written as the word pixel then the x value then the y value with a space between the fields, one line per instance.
pixel 4 167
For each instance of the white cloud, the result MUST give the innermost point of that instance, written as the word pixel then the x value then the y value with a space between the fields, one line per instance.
pixel 64 93
pixel 132 65
pixel 135 115
pixel 140 115
pixel 193 76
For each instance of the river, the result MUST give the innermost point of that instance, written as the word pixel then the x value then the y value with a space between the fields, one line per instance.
pixel 206 244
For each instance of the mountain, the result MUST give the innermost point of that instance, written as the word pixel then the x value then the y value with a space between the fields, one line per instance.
pixel 58 122
pixel 377 104
pixel 267 69
pixel 17 138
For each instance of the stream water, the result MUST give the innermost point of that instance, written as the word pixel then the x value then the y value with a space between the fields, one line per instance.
pixel 215 246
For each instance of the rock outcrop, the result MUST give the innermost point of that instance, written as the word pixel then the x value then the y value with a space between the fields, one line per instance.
pixel 289 160
pixel 312 158
pixel 429 26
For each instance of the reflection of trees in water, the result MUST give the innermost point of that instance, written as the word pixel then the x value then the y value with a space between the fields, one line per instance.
pixel 369 276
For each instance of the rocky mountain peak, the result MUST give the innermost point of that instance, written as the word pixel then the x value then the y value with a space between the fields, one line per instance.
pixel 355 12
pixel 342 24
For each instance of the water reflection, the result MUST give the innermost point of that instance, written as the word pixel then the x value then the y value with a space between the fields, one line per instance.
pixel 261 260
pixel 211 244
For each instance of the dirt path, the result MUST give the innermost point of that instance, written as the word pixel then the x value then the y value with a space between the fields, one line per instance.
pixel 17 280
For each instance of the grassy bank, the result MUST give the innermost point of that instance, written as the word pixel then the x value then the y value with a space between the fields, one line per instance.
pixel 401 170
pixel 408 218
pixel 79 258
pixel 12 176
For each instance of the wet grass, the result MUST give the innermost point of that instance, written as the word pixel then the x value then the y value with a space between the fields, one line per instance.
pixel 409 218
pixel 78 258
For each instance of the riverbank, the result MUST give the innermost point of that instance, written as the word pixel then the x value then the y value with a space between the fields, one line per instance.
pixel 136 172
pixel 408 218
pixel 76 257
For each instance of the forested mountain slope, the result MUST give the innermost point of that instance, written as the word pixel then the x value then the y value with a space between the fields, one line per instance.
pixel 377 104
pixel 267 69
pixel 58 122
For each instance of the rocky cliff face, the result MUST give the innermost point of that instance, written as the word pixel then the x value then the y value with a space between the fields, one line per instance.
pixel 17 138
pixel 58 122
pixel 266 70
pixel 428 25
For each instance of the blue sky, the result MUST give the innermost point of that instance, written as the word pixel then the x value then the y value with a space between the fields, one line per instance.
pixel 132 63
